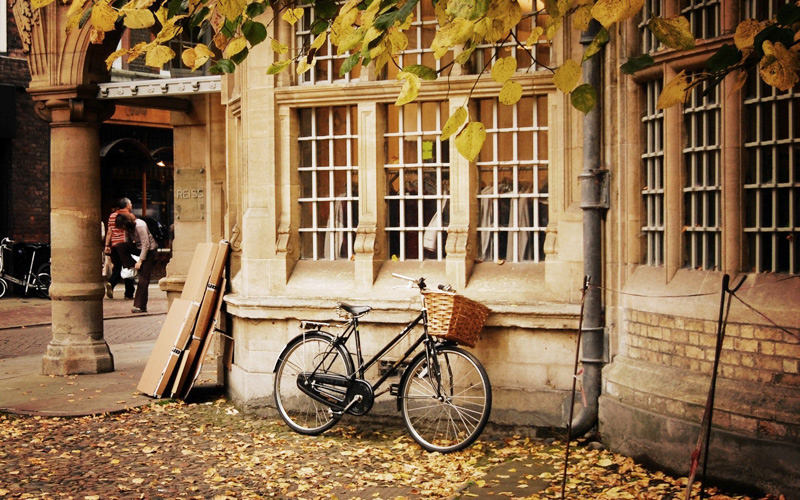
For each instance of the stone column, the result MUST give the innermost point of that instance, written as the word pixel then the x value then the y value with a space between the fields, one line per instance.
pixel 77 346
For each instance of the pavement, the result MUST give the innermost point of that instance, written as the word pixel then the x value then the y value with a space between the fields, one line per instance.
pixel 25 332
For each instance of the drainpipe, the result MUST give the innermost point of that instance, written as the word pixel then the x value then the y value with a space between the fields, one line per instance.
pixel 593 204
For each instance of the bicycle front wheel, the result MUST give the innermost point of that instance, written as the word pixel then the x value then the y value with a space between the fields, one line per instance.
pixel 310 353
pixel 42 283
pixel 446 401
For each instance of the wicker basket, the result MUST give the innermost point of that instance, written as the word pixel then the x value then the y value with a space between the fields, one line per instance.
pixel 455 317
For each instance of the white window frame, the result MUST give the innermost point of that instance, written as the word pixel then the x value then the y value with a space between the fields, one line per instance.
pixel 702 157
pixel 653 164
pixel 697 13
pixel 491 195
pixel 304 37
pixel 764 189
pixel 432 232
pixel 336 234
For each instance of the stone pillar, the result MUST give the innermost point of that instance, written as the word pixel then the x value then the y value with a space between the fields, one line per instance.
pixel 77 346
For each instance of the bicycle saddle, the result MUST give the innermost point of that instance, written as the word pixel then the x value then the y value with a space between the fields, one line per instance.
pixel 356 311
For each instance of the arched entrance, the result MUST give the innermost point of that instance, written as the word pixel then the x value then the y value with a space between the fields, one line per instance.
pixel 129 170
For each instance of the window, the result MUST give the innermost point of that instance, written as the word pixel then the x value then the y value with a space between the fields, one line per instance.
pixel 328 63
pixel 513 172
pixel 771 178
pixel 653 175
pixel 534 58
pixel 701 192
pixel 418 181
pixel 328 182
pixel 703 16
pixel 763 9
pixel 423 28
pixel 650 43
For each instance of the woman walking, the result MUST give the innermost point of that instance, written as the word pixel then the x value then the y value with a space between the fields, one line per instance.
pixel 142 244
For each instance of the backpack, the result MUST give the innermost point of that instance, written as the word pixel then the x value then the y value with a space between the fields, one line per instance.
pixel 157 229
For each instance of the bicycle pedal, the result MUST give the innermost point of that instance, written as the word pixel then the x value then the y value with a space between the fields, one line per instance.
pixel 394 389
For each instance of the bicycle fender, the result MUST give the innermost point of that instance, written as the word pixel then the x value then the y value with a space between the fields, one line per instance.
pixel 297 339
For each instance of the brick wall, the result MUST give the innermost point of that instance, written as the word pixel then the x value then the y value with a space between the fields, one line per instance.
pixel 750 353
pixel 29 218
pixel 758 377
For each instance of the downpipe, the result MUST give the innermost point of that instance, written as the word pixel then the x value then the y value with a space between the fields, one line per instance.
pixel 593 204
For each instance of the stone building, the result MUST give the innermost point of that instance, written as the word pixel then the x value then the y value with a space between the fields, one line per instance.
pixel 325 189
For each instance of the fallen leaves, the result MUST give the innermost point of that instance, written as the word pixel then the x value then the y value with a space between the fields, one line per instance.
pixel 207 451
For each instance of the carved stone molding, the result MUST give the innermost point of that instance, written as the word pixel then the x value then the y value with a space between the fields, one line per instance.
pixel 66 111
pixel 26 18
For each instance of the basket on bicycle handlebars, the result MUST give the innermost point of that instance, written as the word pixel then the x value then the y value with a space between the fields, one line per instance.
pixel 455 317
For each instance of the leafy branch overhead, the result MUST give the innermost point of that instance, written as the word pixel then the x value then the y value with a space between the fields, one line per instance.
pixel 374 33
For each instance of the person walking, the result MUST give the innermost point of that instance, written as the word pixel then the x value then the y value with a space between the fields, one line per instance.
pixel 115 236
pixel 142 244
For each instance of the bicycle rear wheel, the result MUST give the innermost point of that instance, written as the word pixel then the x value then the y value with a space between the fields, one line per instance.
pixel 445 402
pixel 309 353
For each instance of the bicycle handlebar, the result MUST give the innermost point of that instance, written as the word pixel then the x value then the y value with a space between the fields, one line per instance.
pixel 421 283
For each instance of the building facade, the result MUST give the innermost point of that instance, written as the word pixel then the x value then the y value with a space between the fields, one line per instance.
pixel 325 188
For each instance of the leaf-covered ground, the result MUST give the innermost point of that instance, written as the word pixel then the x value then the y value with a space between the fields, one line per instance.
pixel 211 451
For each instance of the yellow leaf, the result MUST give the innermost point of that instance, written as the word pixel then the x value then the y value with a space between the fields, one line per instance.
pixel 304 65
pixel 104 16
pixel 169 28
pixel 189 57
pixel 114 56
pixel 454 123
pixel 138 19
pixel 158 56
pixel 566 77
pixel 609 12
pixel 291 16
pixel 278 47
pixel 38 4
pixel 320 40
pixel 511 93
pixel 235 46
pixel 504 69
pixel 675 32
pixel 779 66
pixel 410 88
pixel 674 92
pixel 398 41
pixel 231 9
pixel 746 33
pixel 456 32
pixel 76 7
pixel 605 462
pixel 96 36
pixel 470 141
pixel 536 35
pixel 74 14
pixel 582 17
pixel 138 50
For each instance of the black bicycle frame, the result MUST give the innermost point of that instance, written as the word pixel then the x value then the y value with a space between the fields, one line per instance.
pixel 363 367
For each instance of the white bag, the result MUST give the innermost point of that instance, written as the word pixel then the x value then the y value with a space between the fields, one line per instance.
pixel 128 273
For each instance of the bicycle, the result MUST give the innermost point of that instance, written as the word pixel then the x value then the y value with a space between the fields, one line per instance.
pixel 38 281
pixel 444 394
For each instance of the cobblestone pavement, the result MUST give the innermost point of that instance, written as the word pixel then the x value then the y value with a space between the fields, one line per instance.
pixel 15 342
pixel 208 450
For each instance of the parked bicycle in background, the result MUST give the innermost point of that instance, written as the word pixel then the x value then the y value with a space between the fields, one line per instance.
pixel 444 394
pixel 26 265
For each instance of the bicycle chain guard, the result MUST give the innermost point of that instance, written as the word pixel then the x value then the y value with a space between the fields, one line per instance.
pixel 364 389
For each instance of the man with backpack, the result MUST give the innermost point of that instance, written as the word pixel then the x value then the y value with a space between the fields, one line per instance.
pixel 140 243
